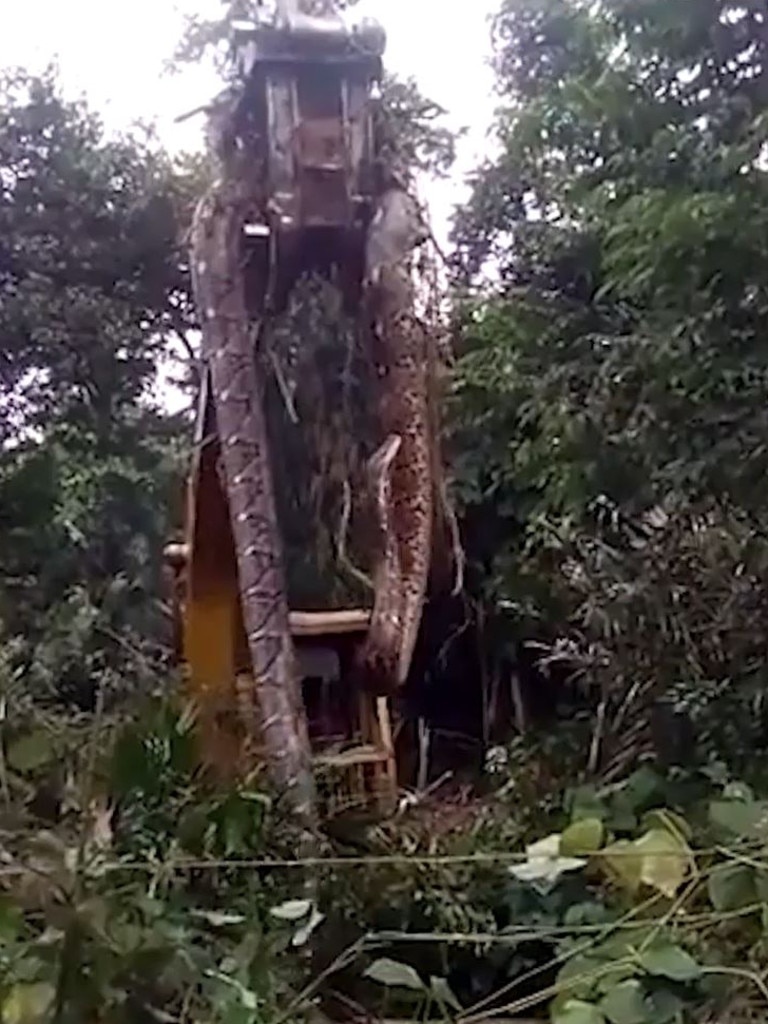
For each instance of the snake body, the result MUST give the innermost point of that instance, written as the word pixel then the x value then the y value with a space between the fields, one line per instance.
pixel 404 504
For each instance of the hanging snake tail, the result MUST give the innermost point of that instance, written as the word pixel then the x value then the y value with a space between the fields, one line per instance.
pixel 413 517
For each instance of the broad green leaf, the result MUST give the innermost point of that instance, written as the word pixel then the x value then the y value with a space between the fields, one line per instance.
pixel 589 912
pixel 732 886
pixel 28 1004
pixel 642 786
pixel 663 1007
pixel 671 821
pixel 582 838
pixel 624 1004
pixel 574 1011
pixel 666 860
pixel 585 803
pixel 441 990
pixel 623 863
pixel 11 920
pixel 615 973
pixel 623 817
pixel 394 974
pixel 670 962
pixel 624 943
pixel 291 910
pixel 30 752
pixel 744 820
pixel 761 883
pixel 577 976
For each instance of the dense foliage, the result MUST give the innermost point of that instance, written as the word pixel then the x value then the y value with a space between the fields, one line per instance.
pixel 91 290
pixel 609 410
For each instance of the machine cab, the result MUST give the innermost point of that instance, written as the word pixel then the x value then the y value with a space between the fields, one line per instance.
pixel 306 103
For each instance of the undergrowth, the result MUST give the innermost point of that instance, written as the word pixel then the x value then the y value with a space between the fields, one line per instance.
pixel 132 891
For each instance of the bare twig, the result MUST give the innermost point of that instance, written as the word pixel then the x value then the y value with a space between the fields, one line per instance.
pixel 285 391
pixel 341 540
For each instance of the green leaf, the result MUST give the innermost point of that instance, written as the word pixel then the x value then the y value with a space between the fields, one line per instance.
pixel 671 962
pixel 623 864
pixel 585 802
pixel 582 838
pixel 666 860
pixel 574 1011
pixel 11 920
pixel 732 887
pixel 663 818
pixel 761 884
pixel 744 820
pixel 28 1004
pixel 624 1004
pixel 31 752
pixel 622 817
pixel 441 990
pixel 394 974
pixel 578 975
pixel 663 1007
pixel 642 786
pixel 620 970
pixel 589 912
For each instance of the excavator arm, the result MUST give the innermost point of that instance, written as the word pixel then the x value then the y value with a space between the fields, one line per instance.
pixel 303 187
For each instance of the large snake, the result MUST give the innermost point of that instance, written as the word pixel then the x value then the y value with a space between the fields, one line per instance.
pixel 405 502
pixel 245 460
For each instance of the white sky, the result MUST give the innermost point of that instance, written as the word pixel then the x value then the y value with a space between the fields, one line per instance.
pixel 117 60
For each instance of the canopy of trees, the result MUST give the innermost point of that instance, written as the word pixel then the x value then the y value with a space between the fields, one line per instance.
pixel 608 406
pixel 92 287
